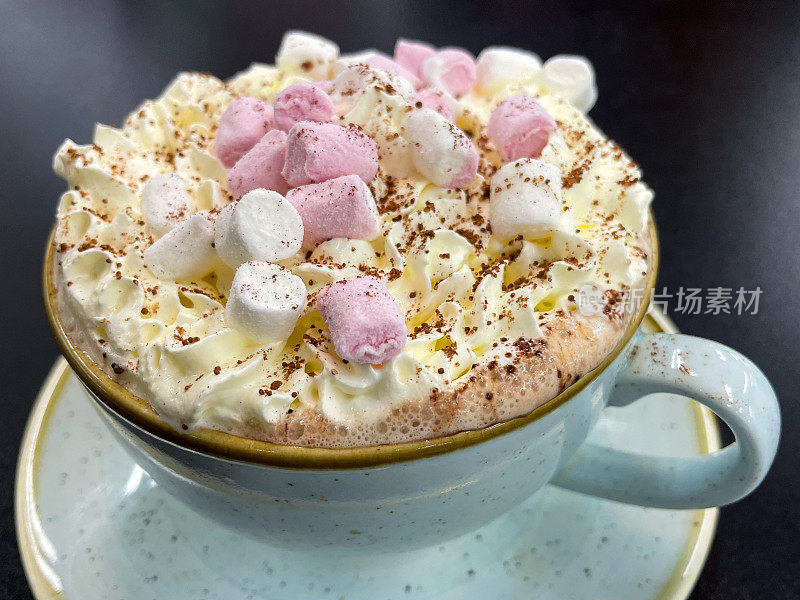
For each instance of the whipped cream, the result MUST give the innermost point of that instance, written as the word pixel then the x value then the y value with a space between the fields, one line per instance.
pixel 467 296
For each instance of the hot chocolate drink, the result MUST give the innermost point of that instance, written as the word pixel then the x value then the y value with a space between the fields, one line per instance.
pixel 340 251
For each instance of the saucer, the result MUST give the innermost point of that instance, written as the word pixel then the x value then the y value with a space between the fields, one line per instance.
pixel 91 524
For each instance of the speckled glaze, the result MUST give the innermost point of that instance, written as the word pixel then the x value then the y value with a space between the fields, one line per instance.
pixel 418 503
pixel 718 377
pixel 92 524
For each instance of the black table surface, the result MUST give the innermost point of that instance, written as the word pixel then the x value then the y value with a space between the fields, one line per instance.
pixel 704 95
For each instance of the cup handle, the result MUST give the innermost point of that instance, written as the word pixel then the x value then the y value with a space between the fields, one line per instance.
pixel 712 374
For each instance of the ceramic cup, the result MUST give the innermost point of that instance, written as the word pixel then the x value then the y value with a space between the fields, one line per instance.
pixel 400 496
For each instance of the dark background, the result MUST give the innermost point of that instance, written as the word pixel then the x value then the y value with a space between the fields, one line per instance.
pixel 704 95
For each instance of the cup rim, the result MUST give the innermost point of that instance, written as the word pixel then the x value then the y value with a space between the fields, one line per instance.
pixel 138 412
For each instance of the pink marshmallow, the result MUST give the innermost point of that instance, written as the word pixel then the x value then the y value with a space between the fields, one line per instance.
pixel 241 126
pixel 364 320
pixel 411 55
pixel 451 69
pixel 317 152
pixel 337 208
pixel 261 167
pixel 442 102
pixel 302 102
pixel 520 127
pixel 381 61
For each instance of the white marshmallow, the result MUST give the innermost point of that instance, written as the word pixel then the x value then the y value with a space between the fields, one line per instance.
pixel 571 77
pixel 306 54
pixel 500 65
pixel 525 199
pixel 265 301
pixel 349 85
pixel 262 225
pixel 165 202
pixel 439 149
pixel 185 252
pixel 353 58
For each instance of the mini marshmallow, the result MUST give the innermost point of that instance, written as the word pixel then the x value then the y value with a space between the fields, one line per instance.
pixel 265 301
pixel 352 58
pixel 525 199
pixel 353 80
pixel 451 69
pixel 378 60
pixel 186 251
pixel 317 152
pixel 307 54
pixel 412 54
pixel 165 202
pixel 498 66
pixel 260 167
pixel 571 77
pixel 440 150
pixel 302 102
pixel 440 101
pixel 520 127
pixel 338 208
pixel 364 320
pixel 240 127
pixel 262 226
